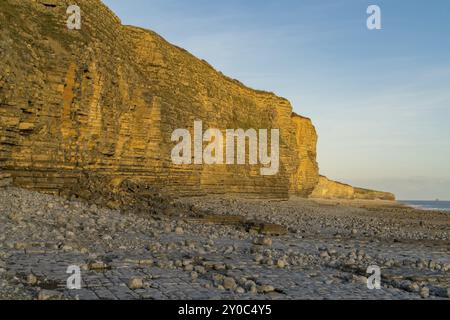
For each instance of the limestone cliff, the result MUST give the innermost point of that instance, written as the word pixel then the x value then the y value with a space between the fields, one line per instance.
pixel 366 194
pixel 329 189
pixel 106 99
pixel 306 175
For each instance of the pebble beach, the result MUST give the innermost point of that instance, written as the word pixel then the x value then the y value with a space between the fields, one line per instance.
pixel 323 253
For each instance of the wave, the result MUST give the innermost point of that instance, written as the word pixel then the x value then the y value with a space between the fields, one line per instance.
pixel 428 205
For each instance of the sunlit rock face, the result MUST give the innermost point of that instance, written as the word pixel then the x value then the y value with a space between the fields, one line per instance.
pixel 328 189
pixel 106 99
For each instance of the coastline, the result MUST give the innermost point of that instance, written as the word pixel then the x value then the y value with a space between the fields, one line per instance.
pixel 422 205
pixel 324 254
pixel 440 206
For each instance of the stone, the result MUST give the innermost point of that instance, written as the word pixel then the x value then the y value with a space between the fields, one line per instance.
pixel 187 262
pixel 240 290
pixel 32 279
pixel 49 295
pixel 263 241
pixel 189 268
pixel 113 204
pixel 253 289
pixel 146 262
pixel 219 266
pixel 249 284
pixel 229 283
pixel 266 289
pixel 135 283
pixel 229 250
pixel 218 277
pixel 414 287
pixel 230 266
pixel 359 279
pixel 269 229
pixel 432 265
pixel 200 269
pixel 98 265
pixel 281 263
pixel 21 245
pixel 179 231
pixel 259 258
pixel 425 293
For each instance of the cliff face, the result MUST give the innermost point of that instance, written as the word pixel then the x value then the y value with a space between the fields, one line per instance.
pixel 306 175
pixel 329 189
pixel 366 194
pixel 107 98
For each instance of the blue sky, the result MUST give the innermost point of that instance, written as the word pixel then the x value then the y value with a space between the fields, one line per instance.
pixel 380 99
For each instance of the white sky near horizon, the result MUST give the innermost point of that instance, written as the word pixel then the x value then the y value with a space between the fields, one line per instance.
pixel 380 100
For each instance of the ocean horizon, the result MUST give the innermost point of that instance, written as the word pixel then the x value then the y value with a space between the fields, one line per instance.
pixel 435 205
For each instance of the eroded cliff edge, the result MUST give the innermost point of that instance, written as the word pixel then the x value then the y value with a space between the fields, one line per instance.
pixel 328 189
pixel 106 99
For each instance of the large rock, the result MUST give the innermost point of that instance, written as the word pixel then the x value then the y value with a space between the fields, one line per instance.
pixel 106 99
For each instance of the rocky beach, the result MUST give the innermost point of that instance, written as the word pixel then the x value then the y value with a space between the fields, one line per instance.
pixel 96 205
pixel 221 248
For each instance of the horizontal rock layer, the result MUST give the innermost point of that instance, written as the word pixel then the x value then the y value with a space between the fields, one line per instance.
pixel 329 189
pixel 107 98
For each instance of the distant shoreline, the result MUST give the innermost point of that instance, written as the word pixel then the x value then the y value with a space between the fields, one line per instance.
pixel 420 205
pixel 427 205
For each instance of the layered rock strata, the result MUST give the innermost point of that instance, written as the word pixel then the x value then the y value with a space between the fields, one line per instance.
pixel 329 189
pixel 106 99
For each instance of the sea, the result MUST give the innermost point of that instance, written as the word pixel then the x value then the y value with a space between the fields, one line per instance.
pixel 428 205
